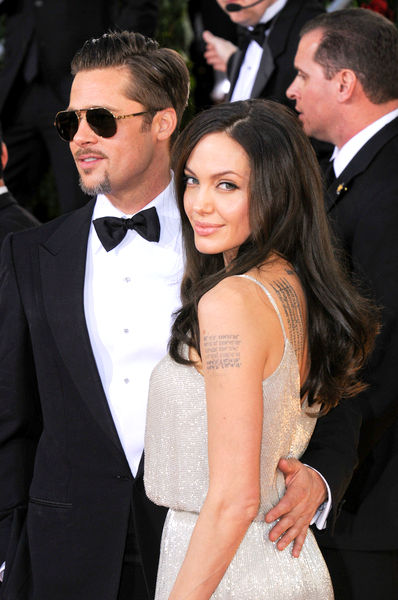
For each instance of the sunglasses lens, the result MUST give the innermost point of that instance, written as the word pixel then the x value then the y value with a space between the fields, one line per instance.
pixel 67 124
pixel 101 121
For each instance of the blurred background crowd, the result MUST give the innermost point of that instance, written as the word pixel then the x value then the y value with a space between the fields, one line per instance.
pixel 38 40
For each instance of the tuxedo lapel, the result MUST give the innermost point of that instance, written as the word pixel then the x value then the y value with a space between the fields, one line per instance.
pixel 335 192
pixel 361 161
pixel 281 28
pixel 63 263
pixel 264 72
pixel 233 70
pixel 274 45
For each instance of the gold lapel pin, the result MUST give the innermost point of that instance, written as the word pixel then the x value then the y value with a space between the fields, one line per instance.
pixel 341 188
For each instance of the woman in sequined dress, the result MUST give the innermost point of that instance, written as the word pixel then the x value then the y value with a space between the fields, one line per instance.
pixel 253 356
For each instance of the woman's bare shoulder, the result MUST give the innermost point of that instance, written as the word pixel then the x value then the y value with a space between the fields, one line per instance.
pixel 232 294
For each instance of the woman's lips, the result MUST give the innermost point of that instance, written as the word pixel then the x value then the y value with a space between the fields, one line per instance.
pixel 205 229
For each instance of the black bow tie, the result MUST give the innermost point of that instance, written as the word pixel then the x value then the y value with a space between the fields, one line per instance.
pixel 112 230
pixel 245 36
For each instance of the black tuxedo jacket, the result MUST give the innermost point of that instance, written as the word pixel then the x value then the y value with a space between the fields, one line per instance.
pixel 363 210
pixel 13 217
pixel 61 28
pixel 277 72
pixel 66 489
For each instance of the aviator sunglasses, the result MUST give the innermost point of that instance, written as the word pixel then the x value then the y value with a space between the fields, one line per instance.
pixel 101 120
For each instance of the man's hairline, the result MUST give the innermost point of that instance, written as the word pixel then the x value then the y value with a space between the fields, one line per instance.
pixel 131 77
pixel 323 31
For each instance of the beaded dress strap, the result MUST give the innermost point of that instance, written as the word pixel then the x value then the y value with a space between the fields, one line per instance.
pixel 270 298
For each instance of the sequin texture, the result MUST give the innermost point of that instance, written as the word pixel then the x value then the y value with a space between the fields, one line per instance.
pixel 176 476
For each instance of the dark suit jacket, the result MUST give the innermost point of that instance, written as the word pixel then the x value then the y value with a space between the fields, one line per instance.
pixel 61 28
pixel 363 209
pixel 66 488
pixel 13 217
pixel 275 76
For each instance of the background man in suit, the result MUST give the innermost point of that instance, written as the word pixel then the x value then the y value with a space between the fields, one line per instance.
pixel 41 38
pixel 346 93
pixel 262 67
pixel 85 311
pixel 204 15
pixel 12 216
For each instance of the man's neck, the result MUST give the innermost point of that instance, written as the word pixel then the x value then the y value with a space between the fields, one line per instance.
pixel 344 155
pixel 272 10
pixel 356 120
pixel 142 192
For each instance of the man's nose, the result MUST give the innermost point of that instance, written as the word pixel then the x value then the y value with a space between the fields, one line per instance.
pixel 291 91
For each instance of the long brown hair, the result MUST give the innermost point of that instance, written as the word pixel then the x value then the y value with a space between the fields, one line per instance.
pixel 287 217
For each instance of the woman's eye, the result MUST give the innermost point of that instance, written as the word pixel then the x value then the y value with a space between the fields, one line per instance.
pixel 227 185
pixel 189 180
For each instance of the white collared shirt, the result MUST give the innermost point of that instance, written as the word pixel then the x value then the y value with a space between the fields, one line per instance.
pixel 251 62
pixel 130 294
pixel 343 156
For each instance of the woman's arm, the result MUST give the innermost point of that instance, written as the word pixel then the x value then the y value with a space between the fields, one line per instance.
pixel 233 355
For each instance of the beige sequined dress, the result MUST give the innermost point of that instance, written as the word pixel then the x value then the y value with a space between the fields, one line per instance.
pixel 176 476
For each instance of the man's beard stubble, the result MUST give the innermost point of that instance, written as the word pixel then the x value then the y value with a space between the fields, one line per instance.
pixel 104 187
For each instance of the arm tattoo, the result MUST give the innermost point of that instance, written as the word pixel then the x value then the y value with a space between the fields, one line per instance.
pixel 291 306
pixel 221 352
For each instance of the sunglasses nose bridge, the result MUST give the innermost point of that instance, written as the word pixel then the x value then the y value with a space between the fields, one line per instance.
pixel 81 116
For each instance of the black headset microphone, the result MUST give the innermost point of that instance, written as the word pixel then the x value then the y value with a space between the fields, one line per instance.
pixel 233 7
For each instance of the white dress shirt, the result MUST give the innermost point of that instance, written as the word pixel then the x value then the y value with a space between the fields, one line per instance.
pixel 343 156
pixel 130 294
pixel 251 62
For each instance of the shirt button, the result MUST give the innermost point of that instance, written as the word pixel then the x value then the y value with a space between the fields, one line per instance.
pixel 126 330
pixel 126 380
pixel 127 279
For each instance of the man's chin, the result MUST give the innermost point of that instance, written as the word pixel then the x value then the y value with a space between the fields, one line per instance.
pixel 103 187
pixel 304 125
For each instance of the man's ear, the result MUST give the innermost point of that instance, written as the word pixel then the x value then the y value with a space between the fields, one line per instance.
pixel 166 122
pixel 347 82
pixel 4 155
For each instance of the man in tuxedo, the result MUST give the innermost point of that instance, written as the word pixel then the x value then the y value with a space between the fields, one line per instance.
pixel 262 65
pixel 85 310
pixel 12 216
pixel 346 93
pixel 41 38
